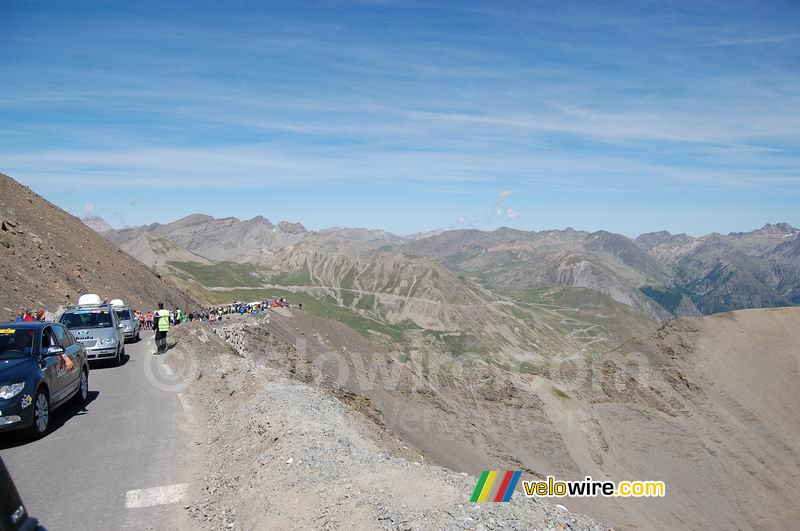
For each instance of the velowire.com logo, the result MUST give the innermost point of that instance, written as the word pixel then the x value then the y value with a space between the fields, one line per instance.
pixel 494 486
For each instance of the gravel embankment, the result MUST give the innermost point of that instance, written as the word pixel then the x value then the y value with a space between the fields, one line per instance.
pixel 284 454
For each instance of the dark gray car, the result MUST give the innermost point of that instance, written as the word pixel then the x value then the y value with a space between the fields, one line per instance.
pixel 35 376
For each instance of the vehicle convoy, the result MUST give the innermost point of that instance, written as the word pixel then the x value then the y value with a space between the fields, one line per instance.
pixel 97 328
pixel 35 374
pixel 129 322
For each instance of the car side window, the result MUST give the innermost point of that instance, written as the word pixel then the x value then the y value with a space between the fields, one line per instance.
pixel 48 340
pixel 63 336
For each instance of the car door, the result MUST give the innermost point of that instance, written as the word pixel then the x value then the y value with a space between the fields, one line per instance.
pixel 53 367
pixel 72 349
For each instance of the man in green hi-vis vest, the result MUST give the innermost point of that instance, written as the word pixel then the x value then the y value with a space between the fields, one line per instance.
pixel 161 325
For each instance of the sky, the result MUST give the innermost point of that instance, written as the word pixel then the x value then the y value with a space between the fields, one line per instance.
pixel 408 116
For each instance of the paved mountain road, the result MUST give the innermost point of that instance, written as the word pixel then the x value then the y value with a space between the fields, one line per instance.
pixel 125 462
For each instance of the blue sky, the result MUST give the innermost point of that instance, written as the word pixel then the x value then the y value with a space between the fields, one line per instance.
pixel 408 115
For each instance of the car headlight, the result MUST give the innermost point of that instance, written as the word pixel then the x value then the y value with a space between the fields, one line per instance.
pixel 108 341
pixel 11 390
pixel 128 328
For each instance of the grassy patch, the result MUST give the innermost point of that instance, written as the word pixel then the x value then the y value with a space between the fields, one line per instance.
pixel 347 297
pixel 558 393
pixel 457 344
pixel 301 277
pixel 366 302
pixel 407 324
pixel 219 275
pixel 327 308
pixel 349 279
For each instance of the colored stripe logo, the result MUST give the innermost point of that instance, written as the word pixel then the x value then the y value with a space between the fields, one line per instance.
pixel 495 486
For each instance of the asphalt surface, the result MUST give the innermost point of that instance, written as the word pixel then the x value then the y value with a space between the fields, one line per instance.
pixel 123 462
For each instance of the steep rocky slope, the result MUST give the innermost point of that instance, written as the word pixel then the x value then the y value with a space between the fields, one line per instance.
pixel 157 251
pixel 707 405
pixel 290 449
pixel 48 258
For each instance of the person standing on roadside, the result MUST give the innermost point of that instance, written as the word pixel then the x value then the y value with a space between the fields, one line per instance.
pixel 161 321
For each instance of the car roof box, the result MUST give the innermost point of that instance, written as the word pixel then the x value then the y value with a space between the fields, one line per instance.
pixel 89 298
pixel 117 302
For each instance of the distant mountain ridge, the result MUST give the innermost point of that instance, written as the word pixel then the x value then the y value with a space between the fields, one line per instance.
pixel 682 275
pixel 659 273
pixel 219 239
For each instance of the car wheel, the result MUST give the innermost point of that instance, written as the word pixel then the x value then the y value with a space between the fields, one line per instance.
pixel 82 396
pixel 41 414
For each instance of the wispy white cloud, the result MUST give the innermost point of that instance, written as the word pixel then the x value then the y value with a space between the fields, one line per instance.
pixel 739 41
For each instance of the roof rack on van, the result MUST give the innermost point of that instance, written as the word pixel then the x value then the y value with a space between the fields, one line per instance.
pixel 79 306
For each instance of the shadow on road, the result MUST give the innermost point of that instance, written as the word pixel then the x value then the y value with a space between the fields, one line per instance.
pixel 58 418
pixel 109 364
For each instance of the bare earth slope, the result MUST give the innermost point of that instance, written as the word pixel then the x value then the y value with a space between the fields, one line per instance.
pixel 710 406
pixel 49 257
pixel 707 405
pixel 156 251
pixel 286 452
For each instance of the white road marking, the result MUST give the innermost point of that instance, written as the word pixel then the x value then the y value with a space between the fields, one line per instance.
pixel 139 498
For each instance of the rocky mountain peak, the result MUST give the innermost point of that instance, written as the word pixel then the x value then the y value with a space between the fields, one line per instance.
pixel 97 224
pixel 778 228
pixel 291 228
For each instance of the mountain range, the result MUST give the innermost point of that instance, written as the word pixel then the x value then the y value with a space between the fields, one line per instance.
pixel 507 295
pixel 660 273
pixel 553 336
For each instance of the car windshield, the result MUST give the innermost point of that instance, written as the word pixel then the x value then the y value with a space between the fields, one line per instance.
pixel 123 315
pixel 87 319
pixel 15 343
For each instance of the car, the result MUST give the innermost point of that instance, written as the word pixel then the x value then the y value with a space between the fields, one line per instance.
pixel 129 322
pixel 34 374
pixel 12 510
pixel 98 329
